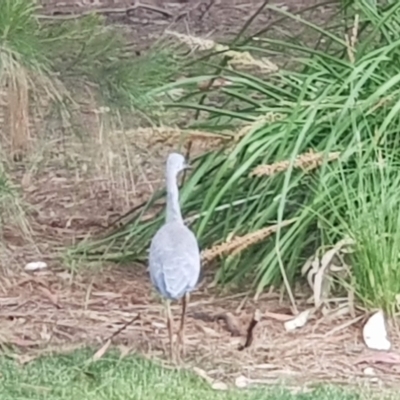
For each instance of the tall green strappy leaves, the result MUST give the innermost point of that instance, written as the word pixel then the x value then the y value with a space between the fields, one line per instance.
pixel 342 96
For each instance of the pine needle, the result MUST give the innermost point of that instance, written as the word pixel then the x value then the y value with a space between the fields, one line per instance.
pixel 306 161
pixel 241 243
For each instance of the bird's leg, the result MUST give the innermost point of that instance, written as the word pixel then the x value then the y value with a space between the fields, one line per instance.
pixel 170 327
pixel 181 334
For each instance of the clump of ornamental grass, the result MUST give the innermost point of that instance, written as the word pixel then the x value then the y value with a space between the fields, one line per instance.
pixel 364 206
pixel 341 98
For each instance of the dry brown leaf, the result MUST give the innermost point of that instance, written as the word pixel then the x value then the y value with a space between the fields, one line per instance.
pixel 384 357
pixel 277 316
pixel 23 342
pixel 319 270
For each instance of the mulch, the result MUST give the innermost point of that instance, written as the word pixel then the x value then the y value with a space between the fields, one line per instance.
pixel 57 310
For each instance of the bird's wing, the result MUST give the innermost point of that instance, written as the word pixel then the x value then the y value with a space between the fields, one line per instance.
pixel 181 276
pixel 174 264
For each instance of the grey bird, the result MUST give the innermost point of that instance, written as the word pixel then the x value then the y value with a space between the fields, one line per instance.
pixel 174 256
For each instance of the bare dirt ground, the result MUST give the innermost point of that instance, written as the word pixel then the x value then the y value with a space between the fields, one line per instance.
pixel 57 309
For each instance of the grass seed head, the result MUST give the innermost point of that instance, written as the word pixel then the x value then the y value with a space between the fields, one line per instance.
pixel 268 118
pixel 306 161
pixel 196 43
pixel 246 60
pixel 237 58
pixel 240 243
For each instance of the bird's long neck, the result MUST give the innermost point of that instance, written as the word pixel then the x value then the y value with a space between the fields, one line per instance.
pixel 173 207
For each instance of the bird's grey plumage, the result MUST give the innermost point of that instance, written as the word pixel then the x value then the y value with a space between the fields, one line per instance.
pixel 174 258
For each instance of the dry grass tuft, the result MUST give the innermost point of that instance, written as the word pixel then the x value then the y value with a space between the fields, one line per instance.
pixel 306 161
pixel 17 100
pixel 52 311
pixel 241 243
pixel 25 98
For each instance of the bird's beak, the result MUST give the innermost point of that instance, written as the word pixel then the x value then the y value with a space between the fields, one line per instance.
pixel 188 166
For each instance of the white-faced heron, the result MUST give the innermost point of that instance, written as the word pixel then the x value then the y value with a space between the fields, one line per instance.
pixel 174 257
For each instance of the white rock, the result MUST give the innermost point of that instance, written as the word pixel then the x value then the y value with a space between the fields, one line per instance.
pixel 35 266
pixel 375 334
pixel 369 371
pixel 241 382
pixel 217 385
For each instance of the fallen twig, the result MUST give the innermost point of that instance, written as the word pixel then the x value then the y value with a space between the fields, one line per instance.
pixel 116 333
pixel 121 10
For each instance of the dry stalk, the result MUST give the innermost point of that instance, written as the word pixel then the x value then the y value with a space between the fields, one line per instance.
pixel 123 327
pixel 351 41
pixel 18 111
pixel 306 161
pixel 354 32
pixel 241 243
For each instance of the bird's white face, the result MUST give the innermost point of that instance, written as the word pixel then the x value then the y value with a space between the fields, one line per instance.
pixel 176 163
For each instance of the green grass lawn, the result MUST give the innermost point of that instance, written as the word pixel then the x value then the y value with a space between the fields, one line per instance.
pixel 72 377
